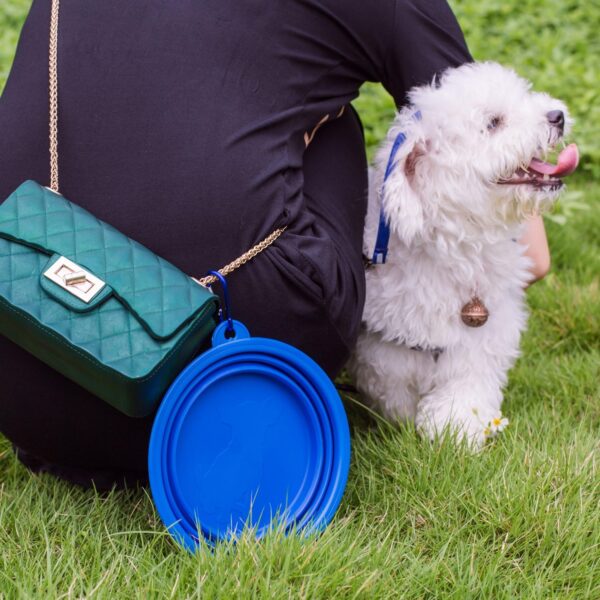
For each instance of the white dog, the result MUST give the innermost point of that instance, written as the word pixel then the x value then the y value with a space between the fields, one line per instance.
pixel 466 173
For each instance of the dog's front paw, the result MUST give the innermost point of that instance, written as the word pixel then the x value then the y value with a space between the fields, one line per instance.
pixel 475 425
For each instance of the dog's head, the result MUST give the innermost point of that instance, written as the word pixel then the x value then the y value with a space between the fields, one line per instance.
pixel 474 155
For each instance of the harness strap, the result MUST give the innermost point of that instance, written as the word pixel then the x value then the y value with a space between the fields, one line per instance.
pixel 383 233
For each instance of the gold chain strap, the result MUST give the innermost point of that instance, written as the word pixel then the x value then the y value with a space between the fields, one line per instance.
pixel 53 68
pixel 243 259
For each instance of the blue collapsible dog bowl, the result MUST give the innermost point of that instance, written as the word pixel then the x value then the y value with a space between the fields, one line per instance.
pixel 251 434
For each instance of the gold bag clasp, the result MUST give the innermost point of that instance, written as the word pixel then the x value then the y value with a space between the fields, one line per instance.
pixel 73 278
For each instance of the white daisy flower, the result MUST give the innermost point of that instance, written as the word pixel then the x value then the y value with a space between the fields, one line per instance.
pixel 498 424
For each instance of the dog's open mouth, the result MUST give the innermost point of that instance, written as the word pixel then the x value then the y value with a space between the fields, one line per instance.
pixel 542 174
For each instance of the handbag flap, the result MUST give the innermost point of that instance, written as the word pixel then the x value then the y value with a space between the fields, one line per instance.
pixel 162 297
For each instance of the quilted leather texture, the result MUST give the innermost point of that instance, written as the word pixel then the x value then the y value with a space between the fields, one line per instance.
pixel 111 334
pixel 151 311
pixel 161 296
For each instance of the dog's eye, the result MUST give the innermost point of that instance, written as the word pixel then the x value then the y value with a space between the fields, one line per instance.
pixel 494 122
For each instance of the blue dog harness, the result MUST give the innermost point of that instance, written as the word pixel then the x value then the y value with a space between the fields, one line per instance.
pixel 383 233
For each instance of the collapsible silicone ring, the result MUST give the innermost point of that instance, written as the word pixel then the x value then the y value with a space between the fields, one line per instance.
pixel 297 505
pixel 321 502
pixel 177 418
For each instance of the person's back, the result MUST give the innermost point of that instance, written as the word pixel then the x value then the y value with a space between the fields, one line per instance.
pixel 191 128
pixel 192 114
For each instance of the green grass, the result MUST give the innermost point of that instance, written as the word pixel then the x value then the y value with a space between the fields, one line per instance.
pixel 521 519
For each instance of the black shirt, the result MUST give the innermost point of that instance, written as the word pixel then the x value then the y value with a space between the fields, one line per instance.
pixel 182 122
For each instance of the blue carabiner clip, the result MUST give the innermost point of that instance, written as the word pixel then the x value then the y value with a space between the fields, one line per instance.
pixel 230 331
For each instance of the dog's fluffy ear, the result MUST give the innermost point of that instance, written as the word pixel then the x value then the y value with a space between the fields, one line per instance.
pixel 402 203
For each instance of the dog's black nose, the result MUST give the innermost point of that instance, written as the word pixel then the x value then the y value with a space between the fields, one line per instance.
pixel 556 118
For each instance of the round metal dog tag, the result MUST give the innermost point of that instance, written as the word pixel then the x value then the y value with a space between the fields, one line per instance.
pixel 474 313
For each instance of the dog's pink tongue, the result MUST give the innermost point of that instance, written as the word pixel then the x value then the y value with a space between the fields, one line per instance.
pixel 567 162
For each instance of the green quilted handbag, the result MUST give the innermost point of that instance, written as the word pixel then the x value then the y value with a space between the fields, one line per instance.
pixel 98 307
pixel 95 305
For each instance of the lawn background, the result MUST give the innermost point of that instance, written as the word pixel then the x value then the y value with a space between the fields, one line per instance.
pixel 520 520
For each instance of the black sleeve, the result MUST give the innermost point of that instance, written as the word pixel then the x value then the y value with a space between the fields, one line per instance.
pixel 426 40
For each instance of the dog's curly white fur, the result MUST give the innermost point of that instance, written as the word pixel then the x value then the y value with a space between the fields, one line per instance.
pixel 456 202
